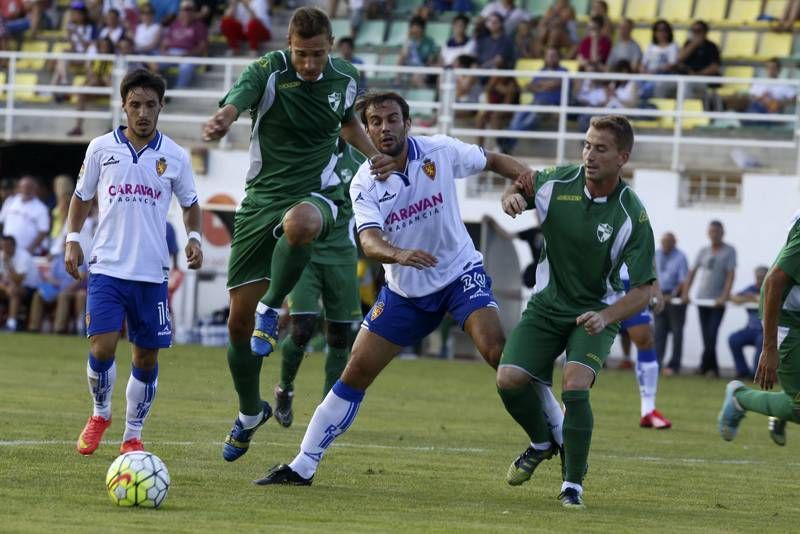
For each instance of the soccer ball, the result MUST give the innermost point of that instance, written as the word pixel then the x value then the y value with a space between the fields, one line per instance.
pixel 137 479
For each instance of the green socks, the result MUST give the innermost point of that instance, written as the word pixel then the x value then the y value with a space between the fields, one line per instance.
pixel 287 266
pixel 291 358
pixel 246 372
pixel 776 404
pixel 525 407
pixel 335 362
pixel 578 423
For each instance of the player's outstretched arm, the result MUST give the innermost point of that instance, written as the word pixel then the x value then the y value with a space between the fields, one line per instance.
pixel 513 201
pixel 375 246
pixel 510 168
pixel 220 122
pixel 381 165
pixel 76 216
pixel 774 287
pixel 192 221
pixel 636 299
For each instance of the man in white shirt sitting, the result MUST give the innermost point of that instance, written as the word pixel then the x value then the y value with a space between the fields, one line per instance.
pixel 24 217
pixel 17 278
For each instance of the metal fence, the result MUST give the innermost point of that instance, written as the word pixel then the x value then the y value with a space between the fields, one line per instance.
pixel 443 106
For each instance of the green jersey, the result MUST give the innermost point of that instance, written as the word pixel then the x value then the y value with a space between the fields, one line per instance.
pixel 296 124
pixel 789 262
pixel 339 246
pixel 586 242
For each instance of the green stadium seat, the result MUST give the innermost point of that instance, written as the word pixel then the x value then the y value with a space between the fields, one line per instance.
pixel 744 11
pixel 421 95
pixel 371 33
pixel 710 10
pixel 340 27
pixel 676 10
pixel 527 64
pixel 775 8
pixel 33 63
pixel 369 58
pixel 643 37
pixel 537 7
pixel 387 59
pixel 737 71
pixel 398 33
pixel 581 7
pixel 641 9
pixel 439 32
pixel 740 44
pixel 406 7
pixel 775 45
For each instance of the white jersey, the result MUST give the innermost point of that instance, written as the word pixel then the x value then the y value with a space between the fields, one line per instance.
pixel 418 209
pixel 134 191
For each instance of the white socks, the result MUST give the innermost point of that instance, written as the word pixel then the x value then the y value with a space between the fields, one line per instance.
pixel 553 412
pixel 101 385
pixel 647 375
pixel 139 396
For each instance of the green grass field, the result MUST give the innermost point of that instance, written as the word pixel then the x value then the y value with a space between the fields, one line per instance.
pixel 428 452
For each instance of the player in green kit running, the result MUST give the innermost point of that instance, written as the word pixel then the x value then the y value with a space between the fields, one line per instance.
pixel 780 352
pixel 331 274
pixel 592 223
pixel 300 100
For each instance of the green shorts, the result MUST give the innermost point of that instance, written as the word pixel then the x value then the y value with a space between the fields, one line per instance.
pixel 256 230
pixel 789 362
pixel 338 287
pixel 539 339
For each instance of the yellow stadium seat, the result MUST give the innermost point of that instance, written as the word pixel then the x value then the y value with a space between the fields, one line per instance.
pixel 740 44
pixel 643 37
pixel 61 46
pixel 615 8
pixel 708 10
pixel 77 81
pixel 676 10
pixel 2 82
pixel 744 11
pixel 694 104
pixel 641 9
pixel 570 64
pixel 664 104
pixel 679 35
pixel 27 94
pixel 526 98
pixel 33 63
pixel 739 71
pixel 775 45
pixel 715 36
pixel 527 64
pixel 775 8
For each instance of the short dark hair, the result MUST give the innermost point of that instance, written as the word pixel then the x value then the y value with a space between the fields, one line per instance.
pixel 346 41
pixel 702 25
pixel 416 20
pixel 376 99
pixel 717 223
pixel 599 20
pixel 144 79
pixel 617 125
pixel 7 237
pixel 667 25
pixel 310 21
pixel 462 17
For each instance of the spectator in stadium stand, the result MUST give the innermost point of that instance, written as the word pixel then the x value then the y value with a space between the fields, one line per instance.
pixel 17 279
pixel 207 9
pixel 165 10
pixel 625 47
pixel 512 14
pixel 790 15
pixel 246 20
pixel 188 37
pixel 557 28
pixel 593 50
pixel 147 36
pixel 457 6
pixel 420 50
pixel 718 265
pixel 468 88
pixel 63 187
pixel 346 48
pixel 699 57
pixel 80 33
pixel 600 9
pixel 546 92
pixel 672 268
pixel 661 57
pixel 98 75
pixel 24 217
pixel 752 334
pixel 495 49
pixel 764 98
pixel 59 293
pixel 21 16
pixel 459 43
pixel 525 40
pixel 112 27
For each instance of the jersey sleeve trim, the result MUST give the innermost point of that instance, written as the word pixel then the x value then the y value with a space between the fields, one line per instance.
pixel 369 225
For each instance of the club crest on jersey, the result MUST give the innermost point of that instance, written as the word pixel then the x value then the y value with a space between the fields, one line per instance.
pixel 604 232
pixel 376 310
pixel 429 168
pixel 161 166
pixel 334 99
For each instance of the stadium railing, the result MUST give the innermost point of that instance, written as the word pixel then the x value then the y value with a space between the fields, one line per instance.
pixel 444 108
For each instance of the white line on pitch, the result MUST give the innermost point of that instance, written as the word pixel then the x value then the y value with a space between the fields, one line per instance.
pixel 430 448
